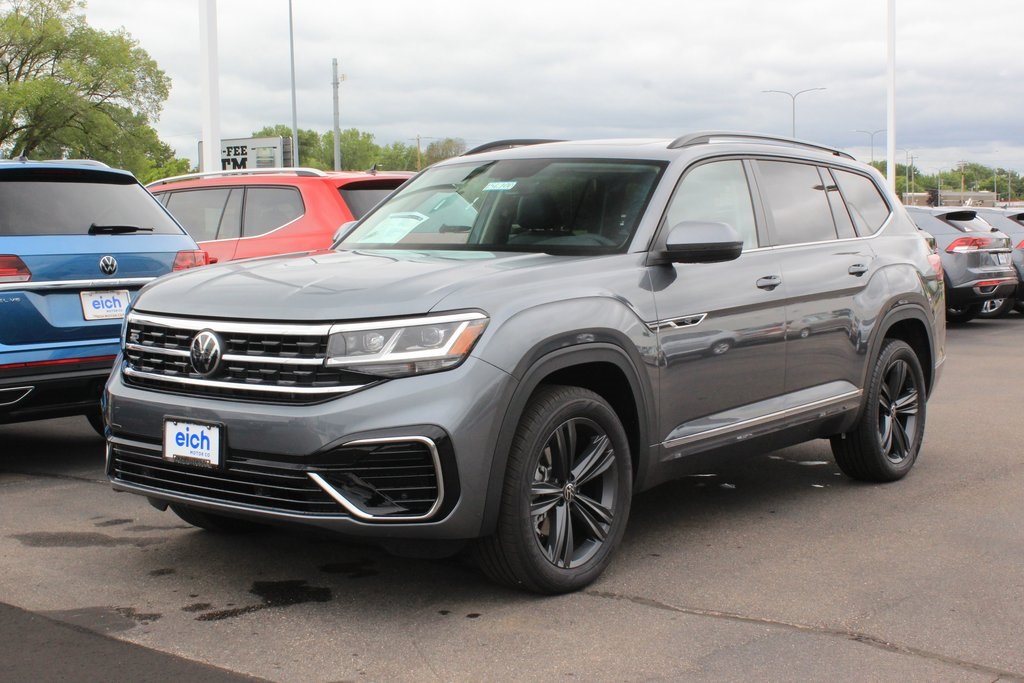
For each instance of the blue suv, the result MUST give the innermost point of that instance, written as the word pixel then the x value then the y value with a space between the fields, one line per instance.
pixel 77 241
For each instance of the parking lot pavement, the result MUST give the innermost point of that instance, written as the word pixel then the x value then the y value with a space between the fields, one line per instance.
pixel 41 649
pixel 776 568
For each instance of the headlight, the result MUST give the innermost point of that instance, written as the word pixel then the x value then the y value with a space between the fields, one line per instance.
pixel 398 348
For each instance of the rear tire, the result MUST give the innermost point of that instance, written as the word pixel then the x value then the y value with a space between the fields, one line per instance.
pixel 884 443
pixel 962 314
pixel 566 496
pixel 213 522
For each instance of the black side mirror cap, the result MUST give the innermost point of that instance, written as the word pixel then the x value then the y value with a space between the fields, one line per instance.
pixel 702 242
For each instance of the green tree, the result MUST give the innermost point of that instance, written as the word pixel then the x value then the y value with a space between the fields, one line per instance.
pixel 397 156
pixel 71 90
pixel 446 148
pixel 311 151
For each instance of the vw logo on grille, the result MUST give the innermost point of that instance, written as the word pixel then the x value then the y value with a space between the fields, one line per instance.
pixel 108 264
pixel 205 353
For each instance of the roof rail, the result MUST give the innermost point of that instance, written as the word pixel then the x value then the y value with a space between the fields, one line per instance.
pixel 506 144
pixel 80 162
pixel 704 137
pixel 299 171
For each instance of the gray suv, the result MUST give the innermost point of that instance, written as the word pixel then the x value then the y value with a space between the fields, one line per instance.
pixel 520 339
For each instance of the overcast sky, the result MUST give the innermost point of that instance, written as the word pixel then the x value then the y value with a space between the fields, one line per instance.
pixel 582 69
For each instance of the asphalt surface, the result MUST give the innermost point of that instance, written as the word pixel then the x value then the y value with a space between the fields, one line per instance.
pixel 774 568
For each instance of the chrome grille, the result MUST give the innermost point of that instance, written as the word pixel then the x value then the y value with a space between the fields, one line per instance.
pixel 260 361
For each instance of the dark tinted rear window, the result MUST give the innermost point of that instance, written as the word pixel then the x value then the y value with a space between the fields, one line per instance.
pixel 58 202
pixel 361 197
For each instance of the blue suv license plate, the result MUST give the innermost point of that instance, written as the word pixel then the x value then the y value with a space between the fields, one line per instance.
pixel 105 305
pixel 192 443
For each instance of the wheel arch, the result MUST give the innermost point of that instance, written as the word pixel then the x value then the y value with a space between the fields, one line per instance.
pixel 605 369
pixel 909 324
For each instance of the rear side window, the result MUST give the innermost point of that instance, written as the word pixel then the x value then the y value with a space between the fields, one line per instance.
pixel 867 206
pixel 268 208
pixel 61 203
pixel 796 201
pixel 716 192
pixel 208 214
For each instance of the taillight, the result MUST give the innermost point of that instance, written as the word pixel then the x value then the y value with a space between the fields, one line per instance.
pixel 965 244
pixel 1020 246
pixel 936 263
pixel 190 259
pixel 13 269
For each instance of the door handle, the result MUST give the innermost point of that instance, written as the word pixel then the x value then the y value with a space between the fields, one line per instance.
pixel 769 282
pixel 857 269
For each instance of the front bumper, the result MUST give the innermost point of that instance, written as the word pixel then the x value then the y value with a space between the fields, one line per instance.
pixel 408 458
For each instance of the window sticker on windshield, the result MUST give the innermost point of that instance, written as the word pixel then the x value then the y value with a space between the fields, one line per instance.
pixel 497 186
pixel 394 228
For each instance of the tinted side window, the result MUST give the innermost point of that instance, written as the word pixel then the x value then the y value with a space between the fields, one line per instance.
pixel 268 208
pixel 716 192
pixel 867 206
pixel 796 201
pixel 199 211
pixel 841 215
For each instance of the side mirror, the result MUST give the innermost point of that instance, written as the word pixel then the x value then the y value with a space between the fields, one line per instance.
pixel 703 242
pixel 342 231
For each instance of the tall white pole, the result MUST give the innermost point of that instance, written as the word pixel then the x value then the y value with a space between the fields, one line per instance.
pixel 337 117
pixel 890 138
pixel 209 97
pixel 295 111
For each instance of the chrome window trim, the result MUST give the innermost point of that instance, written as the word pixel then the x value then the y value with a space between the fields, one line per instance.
pixel 754 422
pixel 366 517
pixel 241 386
pixel 47 285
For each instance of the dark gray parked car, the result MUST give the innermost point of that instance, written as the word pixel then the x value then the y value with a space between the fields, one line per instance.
pixel 975 258
pixel 1010 222
pixel 521 339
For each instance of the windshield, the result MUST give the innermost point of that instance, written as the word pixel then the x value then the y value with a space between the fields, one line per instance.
pixel 540 205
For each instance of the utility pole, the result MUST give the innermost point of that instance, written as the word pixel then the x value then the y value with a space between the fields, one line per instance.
pixel 336 82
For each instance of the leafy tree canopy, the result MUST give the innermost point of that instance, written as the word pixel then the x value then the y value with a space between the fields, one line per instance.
pixel 69 90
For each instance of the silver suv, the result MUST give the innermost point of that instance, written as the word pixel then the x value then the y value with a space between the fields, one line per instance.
pixel 523 337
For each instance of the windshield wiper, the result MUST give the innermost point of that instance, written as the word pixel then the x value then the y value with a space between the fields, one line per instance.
pixel 95 229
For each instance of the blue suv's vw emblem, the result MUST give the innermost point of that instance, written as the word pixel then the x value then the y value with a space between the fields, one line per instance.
pixel 205 353
pixel 108 264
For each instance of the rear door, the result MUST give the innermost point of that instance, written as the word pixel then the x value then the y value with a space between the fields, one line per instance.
pixel 211 215
pixel 829 272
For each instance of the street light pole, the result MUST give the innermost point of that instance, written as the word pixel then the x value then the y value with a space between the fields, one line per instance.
pixel 872 133
pixel 793 96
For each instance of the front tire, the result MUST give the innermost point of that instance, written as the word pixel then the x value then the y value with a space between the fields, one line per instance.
pixel 884 443
pixel 566 497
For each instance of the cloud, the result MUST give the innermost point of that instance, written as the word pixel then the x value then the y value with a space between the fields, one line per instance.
pixel 573 69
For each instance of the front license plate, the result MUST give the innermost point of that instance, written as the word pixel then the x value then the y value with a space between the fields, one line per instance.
pixel 109 304
pixel 192 443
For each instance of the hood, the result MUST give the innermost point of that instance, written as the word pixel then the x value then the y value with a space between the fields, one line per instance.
pixel 327 286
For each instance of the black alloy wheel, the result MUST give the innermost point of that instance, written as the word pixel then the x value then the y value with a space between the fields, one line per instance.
pixel 566 497
pixel 885 442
